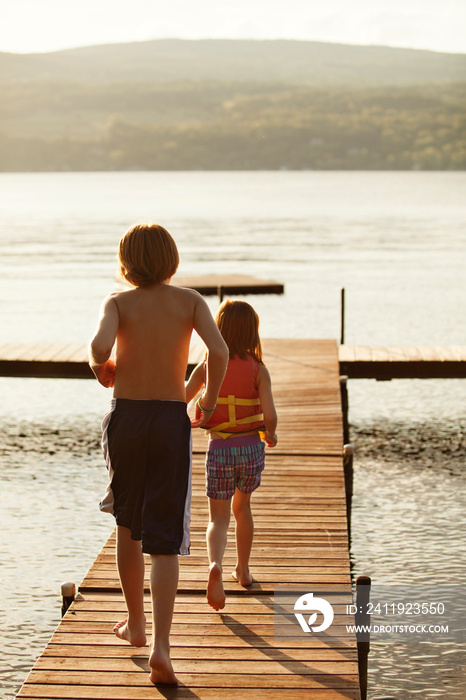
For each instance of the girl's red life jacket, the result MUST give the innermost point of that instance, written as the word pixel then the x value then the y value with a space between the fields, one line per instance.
pixel 238 406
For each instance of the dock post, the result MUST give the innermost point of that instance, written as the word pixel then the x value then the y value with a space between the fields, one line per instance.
pixel 348 453
pixel 344 406
pixel 68 592
pixel 342 317
pixel 362 617
pixel 220 293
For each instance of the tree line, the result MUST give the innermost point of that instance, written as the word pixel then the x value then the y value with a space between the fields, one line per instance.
pixel 232 126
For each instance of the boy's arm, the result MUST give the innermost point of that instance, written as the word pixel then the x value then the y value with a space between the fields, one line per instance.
pixel 100 347
pixel 217 358
pixel 267 405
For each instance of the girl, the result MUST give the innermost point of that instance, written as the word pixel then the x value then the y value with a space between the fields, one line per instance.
pixel 243 417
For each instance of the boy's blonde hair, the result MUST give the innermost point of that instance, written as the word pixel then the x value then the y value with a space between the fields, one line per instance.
pixel 238 324
pixel 147 255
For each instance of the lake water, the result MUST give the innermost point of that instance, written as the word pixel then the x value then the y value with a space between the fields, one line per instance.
pixel 394 241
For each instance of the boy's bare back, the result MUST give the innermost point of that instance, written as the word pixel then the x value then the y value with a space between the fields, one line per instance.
pixel 155 326
pixel 152 326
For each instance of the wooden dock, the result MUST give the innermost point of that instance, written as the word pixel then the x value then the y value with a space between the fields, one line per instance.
pixel 300 538
pixel 56 361
pixel 69 361
pixel 402 362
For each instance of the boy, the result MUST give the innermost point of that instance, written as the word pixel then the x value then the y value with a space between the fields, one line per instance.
pixel 147 434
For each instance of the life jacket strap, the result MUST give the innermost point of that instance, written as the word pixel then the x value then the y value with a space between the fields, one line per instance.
pixel 232 401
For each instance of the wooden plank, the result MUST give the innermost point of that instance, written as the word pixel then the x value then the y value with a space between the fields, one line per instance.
pixel 10 351
pixel 36 351
pixel 211 653
pixel 140 664
pixel 78 353
pixel 200 680
pixel 451 354
pixel 63 692
pixel 98 604
pixel 363 354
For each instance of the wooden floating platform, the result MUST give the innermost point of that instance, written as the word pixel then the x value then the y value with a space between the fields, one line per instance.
pixel 231 285
pixel 300 538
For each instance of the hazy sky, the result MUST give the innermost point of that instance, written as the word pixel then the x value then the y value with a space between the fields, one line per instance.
pixel 47 25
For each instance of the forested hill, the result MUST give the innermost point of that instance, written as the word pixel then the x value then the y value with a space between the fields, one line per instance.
pixel 232 104
pixel 274 61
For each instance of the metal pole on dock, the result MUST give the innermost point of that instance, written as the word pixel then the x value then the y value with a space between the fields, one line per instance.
pixel 68 592
pixel 348 454
pixel 344 406
pixel 363 618
pixel 342 317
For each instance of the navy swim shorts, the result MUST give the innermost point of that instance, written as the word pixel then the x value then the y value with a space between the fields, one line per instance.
pixel 147 447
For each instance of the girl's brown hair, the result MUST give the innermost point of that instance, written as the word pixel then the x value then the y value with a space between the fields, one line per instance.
pixel 238 324
pixel 147 255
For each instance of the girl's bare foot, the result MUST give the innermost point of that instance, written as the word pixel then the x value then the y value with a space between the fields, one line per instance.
pixel 215 590
pixel 162 670
pixel 136 636
pixel 243 576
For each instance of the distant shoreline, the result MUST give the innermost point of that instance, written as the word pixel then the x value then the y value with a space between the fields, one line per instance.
pixel 226 105
pixel 233 170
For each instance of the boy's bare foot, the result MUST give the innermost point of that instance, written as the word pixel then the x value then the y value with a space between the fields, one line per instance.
pixel 162 670
pixel 136 637
pixel 215 591
pixel 243 577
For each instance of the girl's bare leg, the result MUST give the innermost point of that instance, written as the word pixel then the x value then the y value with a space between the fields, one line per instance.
pixel 163 584
pixel 244 536
pixel 216 537
pixel 130 562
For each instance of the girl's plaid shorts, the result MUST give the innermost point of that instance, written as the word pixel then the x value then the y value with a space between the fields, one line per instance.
pixel 230 468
